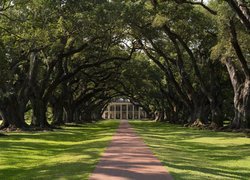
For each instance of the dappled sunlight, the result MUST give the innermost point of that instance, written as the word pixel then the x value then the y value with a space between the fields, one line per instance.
pixel 221 141
pixel 193 154
pixel 60 154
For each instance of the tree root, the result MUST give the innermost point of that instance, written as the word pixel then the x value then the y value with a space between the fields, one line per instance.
pixel 197 124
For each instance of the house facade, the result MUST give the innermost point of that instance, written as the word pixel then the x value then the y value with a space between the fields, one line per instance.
pixel 123 109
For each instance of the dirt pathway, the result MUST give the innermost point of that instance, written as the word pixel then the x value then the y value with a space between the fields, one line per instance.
pixel 128 158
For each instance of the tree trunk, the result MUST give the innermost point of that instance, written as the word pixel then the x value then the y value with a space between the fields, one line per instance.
pixel 196 118
pixel 173 117
pixel 76 116
pixel 69 115
pixel 242 106
pixel 241 8
pixel 87 116
pixel 241 97
pixel 4 124
pixel 240 82
pixel 12 113
pixel 246 103
pixel 216 116
pixel 98 116
pixel 198 115
pixel 57 110
pixel 12 118
pixel 159 116
pixel 39 109
pixel 97 113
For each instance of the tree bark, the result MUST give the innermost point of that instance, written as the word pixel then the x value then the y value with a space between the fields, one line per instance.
pixel 12 113
pixel 159 116
pixel 214 97
pixel 39 117
pixel 216 116
pixel 77 116
pixel 241 97
pixel 87 117
pixel 240 79
pixel 242 10
pixel 242 106
pixel 57 111
pixel 69 115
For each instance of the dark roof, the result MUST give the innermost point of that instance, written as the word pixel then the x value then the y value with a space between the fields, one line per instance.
pixel 121 100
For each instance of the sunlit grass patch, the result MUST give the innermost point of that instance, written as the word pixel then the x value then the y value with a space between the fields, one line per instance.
pixel 69 153
pixel 197 154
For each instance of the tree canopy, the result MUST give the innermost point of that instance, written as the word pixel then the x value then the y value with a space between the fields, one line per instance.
pixel 183 61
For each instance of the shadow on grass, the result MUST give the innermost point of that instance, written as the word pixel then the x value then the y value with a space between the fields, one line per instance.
pixel 197 154
pixel 71 153
pixel 1 135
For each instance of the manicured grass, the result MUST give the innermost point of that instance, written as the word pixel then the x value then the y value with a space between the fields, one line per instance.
pixel 70 153
pixel 197 154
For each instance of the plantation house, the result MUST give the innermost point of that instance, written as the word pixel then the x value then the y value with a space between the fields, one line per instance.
pixel 123 109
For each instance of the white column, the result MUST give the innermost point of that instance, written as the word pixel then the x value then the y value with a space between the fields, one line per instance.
pixel 127 111
pixel 112 110
pixel 115 111
pixel 120 111
pixel 108 112
pixel 133 115
pixel 139 113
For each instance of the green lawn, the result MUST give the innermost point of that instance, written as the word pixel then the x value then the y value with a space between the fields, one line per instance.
pixel 197 154
pixel 71 153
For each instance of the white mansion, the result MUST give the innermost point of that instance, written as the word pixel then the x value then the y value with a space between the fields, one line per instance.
pixel 123 109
